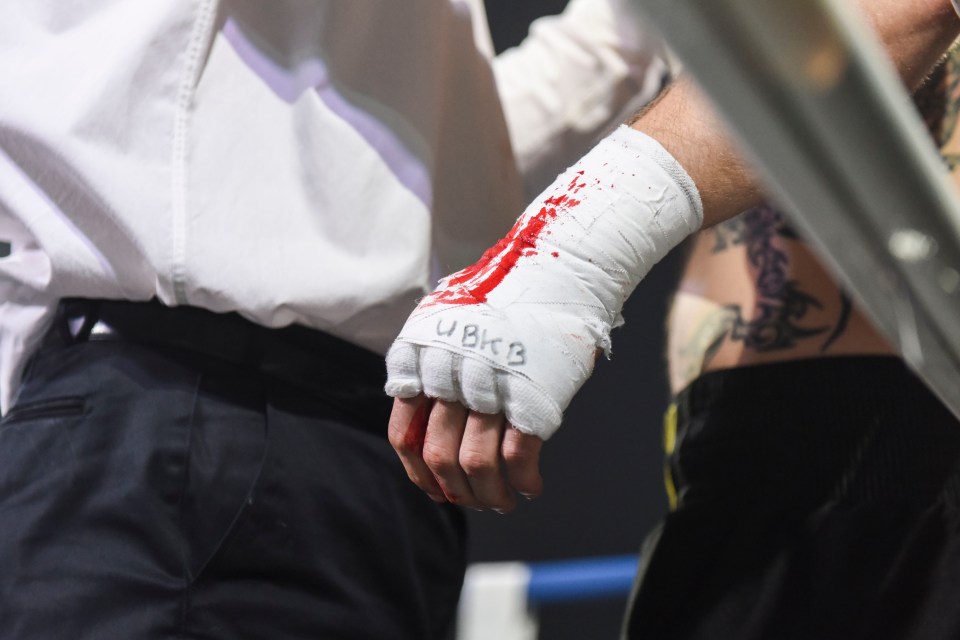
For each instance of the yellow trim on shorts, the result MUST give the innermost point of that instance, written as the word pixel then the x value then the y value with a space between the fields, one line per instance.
pixel 669 444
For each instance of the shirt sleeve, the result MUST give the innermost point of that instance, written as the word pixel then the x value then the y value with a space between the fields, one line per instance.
pixel 575 77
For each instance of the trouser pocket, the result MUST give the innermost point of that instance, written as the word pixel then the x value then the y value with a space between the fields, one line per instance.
pixel 95 476
pixel 44 409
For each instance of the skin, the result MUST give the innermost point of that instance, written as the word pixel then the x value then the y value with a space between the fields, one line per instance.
pixel 477 461
pixel 752 292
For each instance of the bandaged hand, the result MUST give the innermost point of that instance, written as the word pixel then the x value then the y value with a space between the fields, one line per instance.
pixel 515 336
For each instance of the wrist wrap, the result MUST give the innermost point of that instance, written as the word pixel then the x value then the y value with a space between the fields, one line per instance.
pixel 519 330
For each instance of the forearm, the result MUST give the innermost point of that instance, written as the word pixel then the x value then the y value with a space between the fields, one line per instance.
pixel 916 34
pixel 683 121
pixel 512 338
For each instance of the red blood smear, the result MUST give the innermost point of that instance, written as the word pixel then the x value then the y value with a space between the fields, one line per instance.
pixel 555 254
pixel 474 284
pixel 417 429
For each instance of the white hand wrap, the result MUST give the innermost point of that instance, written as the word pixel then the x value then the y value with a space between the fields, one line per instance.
pixel 956 6
pixel 519 330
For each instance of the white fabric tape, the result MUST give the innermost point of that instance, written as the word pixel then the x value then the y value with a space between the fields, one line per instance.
pixel 518 331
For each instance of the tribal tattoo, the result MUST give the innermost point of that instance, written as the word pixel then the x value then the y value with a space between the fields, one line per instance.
pixel 781 315
pixel 782 304
pixel 938 101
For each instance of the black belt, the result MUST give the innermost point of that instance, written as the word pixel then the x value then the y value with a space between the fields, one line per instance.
pixel 307 358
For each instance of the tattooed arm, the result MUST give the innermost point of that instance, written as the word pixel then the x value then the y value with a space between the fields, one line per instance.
pixel 939 103
pixel 753 293
pixel 460 449
pixel 915 34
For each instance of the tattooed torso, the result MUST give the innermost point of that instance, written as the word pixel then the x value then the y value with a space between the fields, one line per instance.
pixel 752 292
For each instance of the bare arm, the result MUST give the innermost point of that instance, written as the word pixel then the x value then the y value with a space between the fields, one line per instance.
pixel 915 33
pixel 472 458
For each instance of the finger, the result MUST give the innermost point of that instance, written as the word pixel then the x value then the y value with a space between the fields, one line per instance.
pixel 403 377
pixel 526 405
pixel 441 452
pixel 480 461
pixel 406 432
pixel 438 370
pixel 478 385
pixel 521 458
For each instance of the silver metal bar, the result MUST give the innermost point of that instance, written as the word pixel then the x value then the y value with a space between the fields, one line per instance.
pixel 815 101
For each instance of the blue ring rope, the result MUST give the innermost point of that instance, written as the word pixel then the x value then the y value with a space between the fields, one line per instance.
pixel 583 579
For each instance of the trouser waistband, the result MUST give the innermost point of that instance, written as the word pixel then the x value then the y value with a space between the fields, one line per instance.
pixel 309 359
pixel 848 428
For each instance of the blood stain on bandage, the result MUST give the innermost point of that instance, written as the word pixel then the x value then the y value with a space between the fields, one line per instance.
pixel 473 284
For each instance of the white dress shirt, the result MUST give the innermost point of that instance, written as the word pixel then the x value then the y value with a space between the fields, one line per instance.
pixel 319 162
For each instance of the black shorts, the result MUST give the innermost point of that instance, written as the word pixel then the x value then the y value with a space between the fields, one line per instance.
pixel 815 499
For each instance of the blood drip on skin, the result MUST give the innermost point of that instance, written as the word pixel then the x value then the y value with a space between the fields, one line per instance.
pixel 475 283
pixel 417 429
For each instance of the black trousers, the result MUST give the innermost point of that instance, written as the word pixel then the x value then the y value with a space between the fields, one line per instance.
pixel 150 491
pixel 817 499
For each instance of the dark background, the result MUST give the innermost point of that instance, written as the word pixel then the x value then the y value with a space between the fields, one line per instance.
pixel 603 470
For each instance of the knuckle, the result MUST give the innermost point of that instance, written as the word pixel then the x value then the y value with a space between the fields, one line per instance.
pixel 405 443
pixel 514 454
pixel 438 459
pixel 477 465
pixel 397 439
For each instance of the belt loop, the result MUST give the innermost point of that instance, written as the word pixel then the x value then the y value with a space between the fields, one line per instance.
pixel 62 324
pixel 70 309
pixel 91 318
